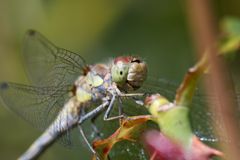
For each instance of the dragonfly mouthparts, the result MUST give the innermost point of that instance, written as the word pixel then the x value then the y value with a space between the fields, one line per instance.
pixel 4 86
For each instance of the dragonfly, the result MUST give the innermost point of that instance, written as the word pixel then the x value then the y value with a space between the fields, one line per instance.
pixel 65 89
pixel 66 92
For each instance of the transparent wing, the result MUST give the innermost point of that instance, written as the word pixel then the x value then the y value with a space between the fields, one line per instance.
pixel 37 105
pixel 200 116
pixel 48 65
pixel 40 106
pixel 159 85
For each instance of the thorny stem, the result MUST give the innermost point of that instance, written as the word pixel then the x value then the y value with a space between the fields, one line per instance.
pixel 204 32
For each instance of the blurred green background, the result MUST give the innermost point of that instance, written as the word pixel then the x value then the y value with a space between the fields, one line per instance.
pixel 156 30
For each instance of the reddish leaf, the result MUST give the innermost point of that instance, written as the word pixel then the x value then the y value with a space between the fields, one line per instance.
pixel 126 131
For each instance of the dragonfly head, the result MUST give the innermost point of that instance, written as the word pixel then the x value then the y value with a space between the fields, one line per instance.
pixel 128 72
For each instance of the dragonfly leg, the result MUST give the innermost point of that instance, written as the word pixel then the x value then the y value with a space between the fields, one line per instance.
pixel 120 110
pixel 87 142
pixel 95 128
pixel 131 94
pixel 110 107
pixel 138 101
pixel 93 125
pixel 94 112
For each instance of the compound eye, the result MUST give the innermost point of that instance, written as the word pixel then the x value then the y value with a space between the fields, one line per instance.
pixel 119 73
pixel 136 61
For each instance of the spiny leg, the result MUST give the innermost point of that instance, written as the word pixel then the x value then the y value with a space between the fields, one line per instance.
pixel 94 127
pixel 131 94
pixel 86 116
pixel 109 109
pixel 96 131
pixel 120 107
pixel 87 142
pixel 93 113
pixel 138 101
pixel 120 110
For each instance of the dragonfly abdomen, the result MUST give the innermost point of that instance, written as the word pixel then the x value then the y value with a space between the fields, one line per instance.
pixel 38 146
pixel 66 119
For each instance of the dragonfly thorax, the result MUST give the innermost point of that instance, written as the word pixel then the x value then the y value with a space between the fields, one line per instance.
pixel 93 85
